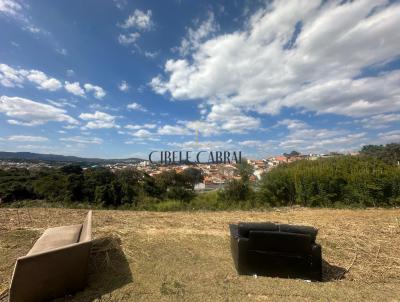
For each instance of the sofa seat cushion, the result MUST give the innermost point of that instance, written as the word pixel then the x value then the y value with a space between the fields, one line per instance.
pixel 56 237
pixel 280 242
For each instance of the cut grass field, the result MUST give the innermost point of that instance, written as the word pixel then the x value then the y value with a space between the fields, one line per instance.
pixel 185 256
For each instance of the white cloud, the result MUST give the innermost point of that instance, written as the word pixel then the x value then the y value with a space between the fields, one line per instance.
pixel 30 113
pixel 380 121
pixel 144 126
pixel 173 130
pixel 10 77
pixel 123 86
pixel 136 106
pixel 302 137
pixel 353 97
pixel 204 128
pixel 139 19
pixel 142 133
pixel 120 4
pixel 151 54
pixel 10 7
pixel 61 103
pixel 195 36
pixel 130 38
pixel 62 51
pixel 83 140
pixel 26 138
pixel 206 145
pixel 21 123
pixel 43 81
pixel 69 127
pixel 254 144
pixel 97 115
pixel 292 124
pixel 99 120
pixel 231 119
pixel 70 73
pixel 101 107
pixel 17 10
pixel 99 92
pixel 265 67
pixel 74 88
pixel 32 28
pixel 223 118
pixel 389 137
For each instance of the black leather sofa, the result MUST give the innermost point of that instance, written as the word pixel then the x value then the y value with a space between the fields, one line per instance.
pixel 277 250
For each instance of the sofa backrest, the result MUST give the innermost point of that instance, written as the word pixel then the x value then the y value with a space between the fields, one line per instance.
pixel 86 233
pixel 245 227
pixel 280 242
pixel 299 229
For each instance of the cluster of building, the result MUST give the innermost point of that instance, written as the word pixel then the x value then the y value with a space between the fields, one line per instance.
pixel 9 164
pixel 215 175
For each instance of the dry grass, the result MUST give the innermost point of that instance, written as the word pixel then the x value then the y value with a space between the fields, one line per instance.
pixel 146 256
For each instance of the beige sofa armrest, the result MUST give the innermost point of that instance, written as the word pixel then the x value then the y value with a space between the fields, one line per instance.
pixel 86 233
pixel 50 274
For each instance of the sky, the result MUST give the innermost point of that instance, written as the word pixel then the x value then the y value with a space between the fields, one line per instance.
pixel 119 78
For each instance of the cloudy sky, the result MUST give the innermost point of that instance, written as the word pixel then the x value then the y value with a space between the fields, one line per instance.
pixel 121 78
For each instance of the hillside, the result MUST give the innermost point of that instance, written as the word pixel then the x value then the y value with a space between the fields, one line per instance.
pixel 29 156
pixel 185 256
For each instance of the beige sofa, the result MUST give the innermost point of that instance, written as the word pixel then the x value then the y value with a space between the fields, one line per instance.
pixel 55 266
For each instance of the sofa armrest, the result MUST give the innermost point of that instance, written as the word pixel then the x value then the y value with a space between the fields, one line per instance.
pixel 47 275
pixel 316 262
pixel 239 247
pixel 86 233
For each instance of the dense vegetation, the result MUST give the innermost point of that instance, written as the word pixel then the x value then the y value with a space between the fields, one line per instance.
pixel 98 186
pixel 389 153
pixel 350 180
pixel 370 179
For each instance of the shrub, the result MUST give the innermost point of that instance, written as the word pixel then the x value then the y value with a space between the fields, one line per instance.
pixel 364 181
pixel 169 205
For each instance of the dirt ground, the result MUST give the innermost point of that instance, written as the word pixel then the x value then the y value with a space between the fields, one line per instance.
pixel 185 256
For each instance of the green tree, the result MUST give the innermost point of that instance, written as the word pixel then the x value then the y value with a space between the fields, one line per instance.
pixel 293 153
pixel 193 175
pixel 93 178
pixel 71 169
pixel 389 153
pixel 174 185
pixel 130 186
pixel 235 190
pixel 52 186
pixel 245 170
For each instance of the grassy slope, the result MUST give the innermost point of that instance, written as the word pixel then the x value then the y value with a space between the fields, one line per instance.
pixel 146 256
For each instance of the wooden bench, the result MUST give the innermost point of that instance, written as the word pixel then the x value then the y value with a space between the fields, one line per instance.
pixel 55 266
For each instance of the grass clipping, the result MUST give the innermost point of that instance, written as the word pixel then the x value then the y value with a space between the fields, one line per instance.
pixel 185 256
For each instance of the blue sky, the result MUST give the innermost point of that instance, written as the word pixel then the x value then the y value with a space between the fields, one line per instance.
pixel 120 78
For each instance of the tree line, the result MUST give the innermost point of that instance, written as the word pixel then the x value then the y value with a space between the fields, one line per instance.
pixel 96 185
pixel 369 179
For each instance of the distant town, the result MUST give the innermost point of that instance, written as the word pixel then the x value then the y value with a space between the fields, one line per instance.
pixel 215 175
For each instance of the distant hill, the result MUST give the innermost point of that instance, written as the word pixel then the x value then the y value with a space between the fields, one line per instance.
pixel 54 158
